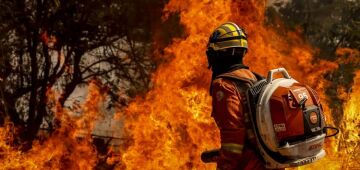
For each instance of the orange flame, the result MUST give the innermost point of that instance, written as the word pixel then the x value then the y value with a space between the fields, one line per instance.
pixel 69 147
pixel 348 55
pixel 171 125
pixel 49 41
pixel 350 136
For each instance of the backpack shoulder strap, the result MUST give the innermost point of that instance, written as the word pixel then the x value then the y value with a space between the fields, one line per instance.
pixel 239 81
pixel 234 78
pixel 258 76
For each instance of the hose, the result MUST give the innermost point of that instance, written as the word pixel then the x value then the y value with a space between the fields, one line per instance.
pixel 332 128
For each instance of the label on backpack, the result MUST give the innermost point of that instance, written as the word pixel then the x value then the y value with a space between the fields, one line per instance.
pixel 280 127
pixel 313 117
pixel 315 146
pixel 299 93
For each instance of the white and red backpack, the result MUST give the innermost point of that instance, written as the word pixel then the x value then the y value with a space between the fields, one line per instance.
pixel 287 119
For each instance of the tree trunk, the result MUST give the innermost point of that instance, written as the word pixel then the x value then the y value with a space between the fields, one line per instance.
pixel 76 79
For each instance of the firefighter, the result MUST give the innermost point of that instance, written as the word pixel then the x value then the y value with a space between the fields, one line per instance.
pixel 226 49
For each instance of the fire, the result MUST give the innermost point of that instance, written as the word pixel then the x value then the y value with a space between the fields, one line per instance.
pixel 171 125
pixel 69 147
pixel 350 137
pixel 49 41
pixel 348 55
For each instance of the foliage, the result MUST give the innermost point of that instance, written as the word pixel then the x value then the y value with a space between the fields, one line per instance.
pixel 63 44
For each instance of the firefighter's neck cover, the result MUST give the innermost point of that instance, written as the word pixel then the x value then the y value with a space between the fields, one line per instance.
pixel 280 119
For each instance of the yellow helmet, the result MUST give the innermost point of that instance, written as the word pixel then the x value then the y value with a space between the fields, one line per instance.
pixel 227 35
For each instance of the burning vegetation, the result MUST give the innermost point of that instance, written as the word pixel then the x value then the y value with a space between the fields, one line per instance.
pixel 170 125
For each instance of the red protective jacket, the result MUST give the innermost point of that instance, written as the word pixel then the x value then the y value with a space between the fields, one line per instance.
pixel 231 115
